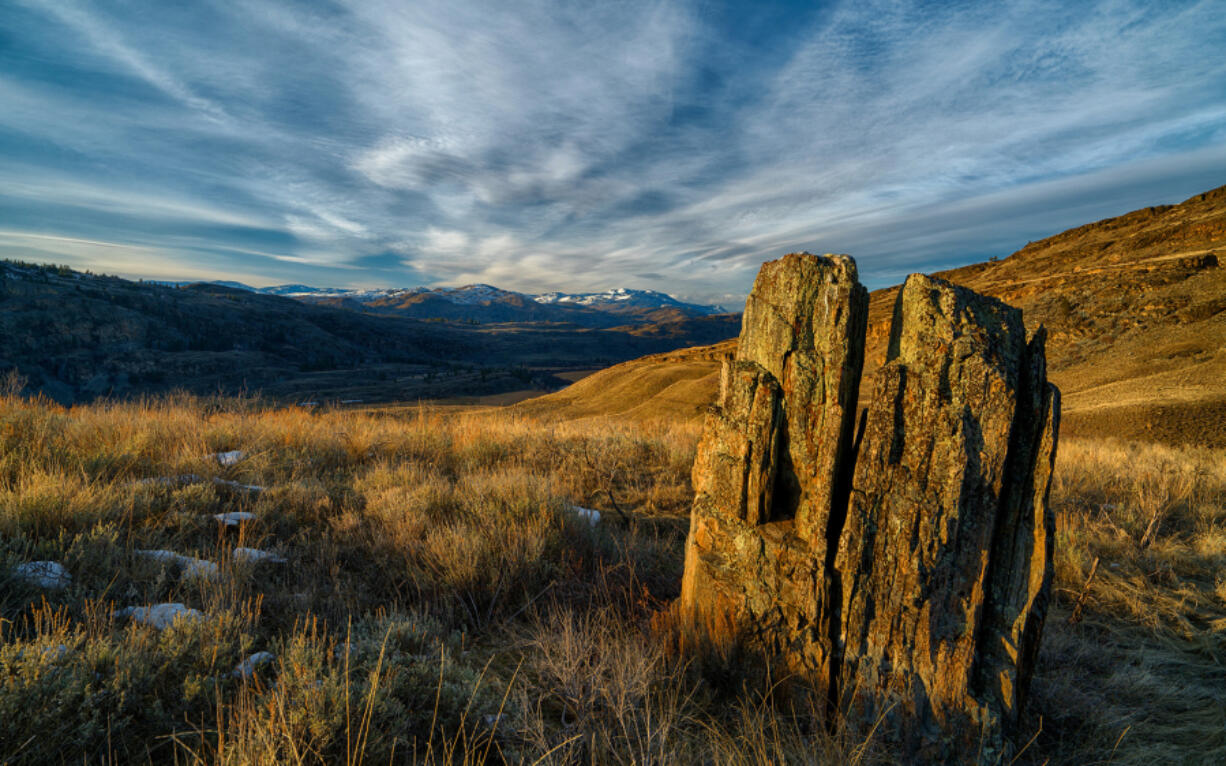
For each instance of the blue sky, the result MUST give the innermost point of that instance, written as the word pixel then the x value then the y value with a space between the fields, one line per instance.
pixel 582 145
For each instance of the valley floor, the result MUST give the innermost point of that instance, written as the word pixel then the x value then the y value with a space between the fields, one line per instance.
pixel 438 592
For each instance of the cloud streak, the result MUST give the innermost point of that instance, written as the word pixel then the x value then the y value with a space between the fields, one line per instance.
pixel 548 145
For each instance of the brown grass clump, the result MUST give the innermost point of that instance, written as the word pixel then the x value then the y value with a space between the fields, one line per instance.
pixel 1139 678
pixel 443 603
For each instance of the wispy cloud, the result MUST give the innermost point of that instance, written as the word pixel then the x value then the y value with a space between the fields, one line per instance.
pixel 549 145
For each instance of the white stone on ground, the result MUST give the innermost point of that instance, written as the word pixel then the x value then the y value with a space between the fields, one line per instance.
pixel 246 668
pixel 181 480
pixel 192 567
pixel 590 516
pixel 236 485
pixel 256 556
pixel 43 574
pixel 234 518
pixel 161 616
pixel 48 654
pixel 228 458
pixel 53 653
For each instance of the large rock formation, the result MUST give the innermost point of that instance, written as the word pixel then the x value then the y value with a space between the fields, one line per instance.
pixel 771 472
pixel 907 577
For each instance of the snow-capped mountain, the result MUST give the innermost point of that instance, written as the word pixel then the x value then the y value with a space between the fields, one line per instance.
pixel 481 293
pixel 489 304
pixel 469 295
pixel 623 298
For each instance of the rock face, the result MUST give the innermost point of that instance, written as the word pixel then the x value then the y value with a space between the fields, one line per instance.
pixel 771 472
pixel 904 573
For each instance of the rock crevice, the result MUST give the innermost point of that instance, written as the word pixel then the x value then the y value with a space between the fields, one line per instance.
pixel 903 570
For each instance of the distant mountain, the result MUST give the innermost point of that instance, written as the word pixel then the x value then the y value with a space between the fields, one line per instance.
pixel 487 304
pixel 623 299
pixel 77 336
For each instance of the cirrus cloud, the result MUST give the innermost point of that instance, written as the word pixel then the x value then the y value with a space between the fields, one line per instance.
pixel 548 145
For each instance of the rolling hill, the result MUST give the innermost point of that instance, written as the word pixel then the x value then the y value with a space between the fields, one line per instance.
pixel 486 304
pixel 76 336
pixel 1135 307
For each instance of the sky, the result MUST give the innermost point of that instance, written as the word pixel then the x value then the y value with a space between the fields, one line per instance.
pixel 576 146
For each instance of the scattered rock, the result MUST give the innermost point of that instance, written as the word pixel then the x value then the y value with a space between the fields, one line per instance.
pixel 904 572
pixel 246 669
pixel 49 653
pixel 587 514
pixel 50 575
pixel 186 479
pixel 161 616
pixel 191 567
pixel 234 518
pixel 228 458
pixel 236 486
pixel 182 480
pixel 53 653
pixel 256 556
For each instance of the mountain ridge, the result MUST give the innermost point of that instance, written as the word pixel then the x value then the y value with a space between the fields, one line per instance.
pixel 75 337
pixel 488 303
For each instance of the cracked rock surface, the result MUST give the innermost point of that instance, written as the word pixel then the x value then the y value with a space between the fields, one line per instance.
pixel 906 568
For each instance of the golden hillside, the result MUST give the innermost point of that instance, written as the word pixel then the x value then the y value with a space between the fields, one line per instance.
pixel 1135 307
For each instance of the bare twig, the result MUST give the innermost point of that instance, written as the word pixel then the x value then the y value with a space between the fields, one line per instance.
pixel 1075 617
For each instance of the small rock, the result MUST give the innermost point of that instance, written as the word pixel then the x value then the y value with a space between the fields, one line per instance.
pixel 234 518
pixel 43 574
pixel 228 458
pixel 246 668
pixel 587 514
pixel 256 556
pixel 192 567
pixel 53 653
pixel 161 616
pixel 234 485
pixel 182 480
pixel 48 654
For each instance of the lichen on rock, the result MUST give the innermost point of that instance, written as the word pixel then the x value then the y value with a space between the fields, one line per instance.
pixel 907 569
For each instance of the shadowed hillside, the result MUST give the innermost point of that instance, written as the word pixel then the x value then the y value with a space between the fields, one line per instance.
pixel 1135 307
pixel 77 336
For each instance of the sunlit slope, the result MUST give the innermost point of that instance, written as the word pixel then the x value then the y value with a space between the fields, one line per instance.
pixel 1135 307
pixel 679 384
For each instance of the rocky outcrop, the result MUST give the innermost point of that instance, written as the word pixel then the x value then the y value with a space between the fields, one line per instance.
pixel 904 573
pixel 770 477
pixel 945 559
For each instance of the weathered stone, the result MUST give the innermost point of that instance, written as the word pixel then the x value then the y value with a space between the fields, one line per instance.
pixel 804 323
pixel 916 590
pixel 944 564
pixel 766 475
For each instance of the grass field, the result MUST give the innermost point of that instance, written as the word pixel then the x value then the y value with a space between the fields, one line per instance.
pixel 441 601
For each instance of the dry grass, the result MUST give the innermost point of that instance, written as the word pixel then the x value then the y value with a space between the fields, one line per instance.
pixel 442 604
pixel 1140 679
